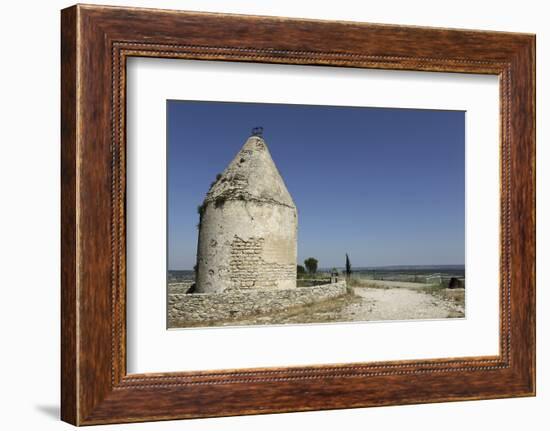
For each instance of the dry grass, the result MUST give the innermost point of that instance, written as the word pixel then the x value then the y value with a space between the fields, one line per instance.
pixel 457 296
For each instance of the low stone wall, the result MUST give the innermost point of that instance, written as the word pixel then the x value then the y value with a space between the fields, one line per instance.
pixel 180 287
pixel 204 309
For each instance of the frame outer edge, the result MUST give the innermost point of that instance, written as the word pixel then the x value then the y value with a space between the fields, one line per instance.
pixel 69 201
pixel 523 217
pixel 532 101
pixel 533 54
pixel 530 63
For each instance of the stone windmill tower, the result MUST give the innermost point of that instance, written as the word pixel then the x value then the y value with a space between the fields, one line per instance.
pixel 248 226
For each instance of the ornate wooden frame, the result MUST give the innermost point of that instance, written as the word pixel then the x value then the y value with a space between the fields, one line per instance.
pixel 95 43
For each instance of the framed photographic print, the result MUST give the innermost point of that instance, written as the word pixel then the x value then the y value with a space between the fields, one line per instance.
pixel 265 214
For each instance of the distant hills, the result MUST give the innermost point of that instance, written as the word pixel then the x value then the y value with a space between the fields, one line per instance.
pixel 436 268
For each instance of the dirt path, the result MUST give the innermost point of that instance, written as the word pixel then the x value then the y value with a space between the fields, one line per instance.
pixel 388 283
pixel 405 304
pixel 369 304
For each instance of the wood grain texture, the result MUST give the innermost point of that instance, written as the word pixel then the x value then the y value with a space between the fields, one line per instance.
pixel 96 41
pixel 69 367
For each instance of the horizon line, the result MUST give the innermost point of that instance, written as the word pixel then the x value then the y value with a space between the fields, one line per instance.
pixel 366 267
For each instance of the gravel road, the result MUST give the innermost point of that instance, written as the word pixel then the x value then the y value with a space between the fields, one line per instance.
pixel 405 304
pixel 369 304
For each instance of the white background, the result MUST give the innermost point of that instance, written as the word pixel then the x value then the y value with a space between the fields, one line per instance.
pixel 151 348
pixel 29 226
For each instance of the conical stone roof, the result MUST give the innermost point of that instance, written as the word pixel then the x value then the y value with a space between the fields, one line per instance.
pixel 251 176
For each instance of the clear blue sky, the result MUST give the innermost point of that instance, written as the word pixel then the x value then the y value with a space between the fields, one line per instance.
pixel 385 185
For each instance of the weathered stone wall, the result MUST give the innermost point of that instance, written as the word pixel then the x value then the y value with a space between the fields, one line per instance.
pixel 181 287
pixel 249 269
pixel 207 309
pixel 245 244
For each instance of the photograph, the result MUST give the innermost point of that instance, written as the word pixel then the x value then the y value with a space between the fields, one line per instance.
pixel 313 214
